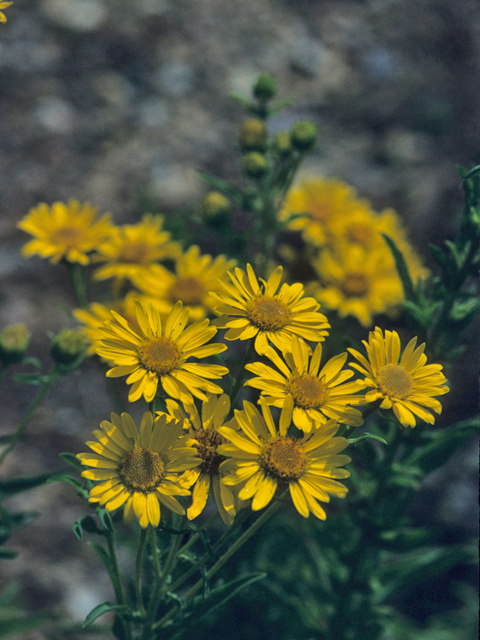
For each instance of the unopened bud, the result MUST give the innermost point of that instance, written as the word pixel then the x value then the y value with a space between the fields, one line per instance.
pixel 304 135
pixel 255 164
pixel 283 143
pixel 68 346
pixel 14 342
pixel 215 205
pixel 253 135
pixel 265 87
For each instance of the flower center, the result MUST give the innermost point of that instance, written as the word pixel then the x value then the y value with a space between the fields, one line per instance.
pixel 189 290
pixel 308 392
pixel 321 211
pixel 160 355
pixel 394 381
pixel 134 253
pixel 359 233
pixel 284 458
pixel 268 314
pixel 355 285
pixel 207 442
pixel 142 469
pixel 68 236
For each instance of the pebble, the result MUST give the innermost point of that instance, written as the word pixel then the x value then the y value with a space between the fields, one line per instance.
pixel 82 16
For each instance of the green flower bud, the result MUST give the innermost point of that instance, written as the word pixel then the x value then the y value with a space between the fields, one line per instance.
pixel 265 87
pixel 253 135
pixel 255 164
pixel 283 143
pixel 304 135
pixel 68 346
pixel 14 342
pixel 215 205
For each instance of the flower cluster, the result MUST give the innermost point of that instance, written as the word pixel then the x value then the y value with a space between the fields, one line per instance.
pixel 157 332
pixel 355 271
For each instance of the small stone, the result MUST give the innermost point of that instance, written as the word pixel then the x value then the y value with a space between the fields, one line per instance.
pixel 78 15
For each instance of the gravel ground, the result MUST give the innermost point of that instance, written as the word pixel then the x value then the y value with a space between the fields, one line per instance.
pixel 117 101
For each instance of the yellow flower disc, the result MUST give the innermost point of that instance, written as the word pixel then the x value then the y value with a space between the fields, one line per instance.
pixel 308 392
pixel 189 290
pixel 284 458
pixel 355 285
pixel 160 355
pixel 394 381
pixel 268 314
pixel 207 442
pixel 142 469
pixel 134 253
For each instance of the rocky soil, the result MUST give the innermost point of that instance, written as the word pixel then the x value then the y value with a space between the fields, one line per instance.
pixel 119 102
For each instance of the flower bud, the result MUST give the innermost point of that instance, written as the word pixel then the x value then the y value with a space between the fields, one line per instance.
pixel 265 87
pixel 68 346
pixel 283 143
pixel 215 205
pixel 255 164
pixel 14 342
pixel 304 135
pixel 253 135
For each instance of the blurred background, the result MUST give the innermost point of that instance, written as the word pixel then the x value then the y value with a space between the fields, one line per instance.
pixel 122 102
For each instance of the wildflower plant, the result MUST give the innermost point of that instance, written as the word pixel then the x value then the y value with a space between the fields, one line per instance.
pixel 249 408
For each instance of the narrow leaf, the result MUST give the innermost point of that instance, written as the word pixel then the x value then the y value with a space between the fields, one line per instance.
pixel 402 269
pixel 102 608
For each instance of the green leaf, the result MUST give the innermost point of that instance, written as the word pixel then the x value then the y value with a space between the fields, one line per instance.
pixel 102 608
pixel 402 269
pixel 216 599
pixel 471 173
pixel 406 539
pixel 235 95
pixel 366 436
pixel 88 524
pixel 441 257
pixel 421 565
pixel 13 486
pixel 107 561
pixel 443 445
pixel 8 554
pixel 35 379
pixel 223 186
pixel 72 459
pixel 15 626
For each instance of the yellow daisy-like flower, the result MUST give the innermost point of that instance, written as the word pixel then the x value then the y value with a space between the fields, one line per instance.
pixel 196 277
pixel 157 354
pixel 318 395
pixel 96 314
pixel 4 5
pixel 204 436
pixel 318 203
pixel 357 282
pixel 138 470
pixel 256 309
pixel 132 250
pixel 407 384
pixel 68 231
pixel 266 458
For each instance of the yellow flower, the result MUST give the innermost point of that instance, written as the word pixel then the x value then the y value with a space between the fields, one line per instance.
pixel 96 314
pixel 406 385
pixel 4 5
pixel 196 277
pixel 68 231
pixel 204 436
pixel 318 203
pixel 138 470
pixel 266 458
pixel 318 395
pixel 257 310
pixel 357 282
pixel 157 354
pixel 132 250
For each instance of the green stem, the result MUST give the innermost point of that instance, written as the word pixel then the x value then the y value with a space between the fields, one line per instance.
pixel 162 578
pixel 52 377
pixel 196 536
pixel 266 515
pixel 138 572
pixel 117 581
pixel 77 278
